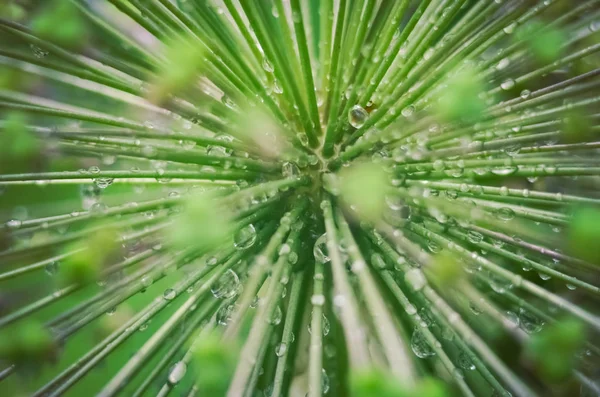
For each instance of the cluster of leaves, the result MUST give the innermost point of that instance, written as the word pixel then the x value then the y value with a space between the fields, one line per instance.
pixel 352 197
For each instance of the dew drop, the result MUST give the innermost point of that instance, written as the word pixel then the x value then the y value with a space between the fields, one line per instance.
pixel 103 183
pixel 281 349
pixel 289 170
pixel 357 116
pixel 419 345
pixel 507 84
pixel 530 323
pixel 320 249
pixel 276 316
pixel 227 286
pixel 177 372
pixel 465 362
pixel 245 237
pixel 169 294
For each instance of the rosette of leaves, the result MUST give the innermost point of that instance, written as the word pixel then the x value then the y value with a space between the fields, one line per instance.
pixel 290 198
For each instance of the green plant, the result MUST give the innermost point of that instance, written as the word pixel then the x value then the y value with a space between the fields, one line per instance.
pixel 274 197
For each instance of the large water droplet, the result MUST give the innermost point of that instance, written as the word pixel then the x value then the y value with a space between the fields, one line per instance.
pixel 276 316
pixel 281 349
pixel 320 249
pixel 177 372
pixel 419 345
pixel 245 237
pixel 169 294
pixel 465 362
pixel 357 116
pixel 529 321
pixel 227 286
pixel 103 183
pixel 289 170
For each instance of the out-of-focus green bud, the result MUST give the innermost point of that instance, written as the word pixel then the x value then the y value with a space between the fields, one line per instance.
pixel 376 383
pixel 183 68
pixel 215 363
pixel 460 99
pixel 12 11
pixel 543 42
pixel 446 269
pixel 114 320
pixel 203 224
pixel 95 253
pixel 16 141
pixel 19 147
pixel 553 350
pixel 576 127
pixel 61 23
pixel 363 187
pixel 259 130
pixel 27 341
pixel 583 235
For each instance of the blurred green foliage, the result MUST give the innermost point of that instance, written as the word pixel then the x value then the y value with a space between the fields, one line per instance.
pixel 59 22
pixel 554 349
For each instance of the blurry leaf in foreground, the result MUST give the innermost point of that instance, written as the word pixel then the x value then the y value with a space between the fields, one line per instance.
pixel 16 140
pixel 182 69
pixel 376 383
pixel 363 187
pixel 583 235
pixel 544 42
pixel 554 349
pixel 94 253
pixel 26 341
pixel 61 23
pixel 576 127
pixel 19 147
pixel 13 11
pixel 203 224
pixel 459 100
pixel 215 362
pixel 261 132
pixel 446 269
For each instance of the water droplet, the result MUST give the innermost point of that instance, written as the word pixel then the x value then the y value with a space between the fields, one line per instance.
pixel 267 66
pixel 169 294
pixel 499 283
pixel 320 249
pixel 324 381
pixel 474 237
pixel 245 237
pixel 416 279
pixel 476 310
pixel 103 183
pixel 525 94
pixel 507 84
pixel 317 300
pixel 505 214
pixel 224 314
pixel 177 372
pixel 51 268
pixel 419 345
pixel 281 349
pixel 530 323
pixel 276 316
pixel 292 258
pixel 217 151
pixel 14 224
pixel 289 170
pixel 227 286
pixel 465 362
pixel 357 116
